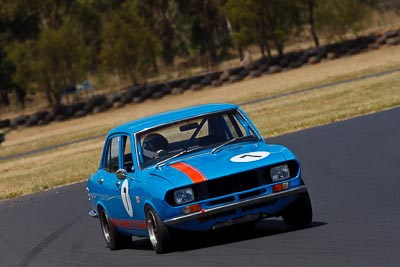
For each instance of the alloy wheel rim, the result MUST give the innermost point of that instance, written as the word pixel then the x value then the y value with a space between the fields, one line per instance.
pixel 152 228
pixel 105 226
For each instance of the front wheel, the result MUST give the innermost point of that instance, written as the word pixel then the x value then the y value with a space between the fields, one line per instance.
pixel 159 234
pixel 113 238
pixel 299 213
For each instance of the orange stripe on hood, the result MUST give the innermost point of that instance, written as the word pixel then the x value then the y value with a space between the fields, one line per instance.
pixel 194 174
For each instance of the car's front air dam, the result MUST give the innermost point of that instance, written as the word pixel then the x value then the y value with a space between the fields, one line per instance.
pixel 243 203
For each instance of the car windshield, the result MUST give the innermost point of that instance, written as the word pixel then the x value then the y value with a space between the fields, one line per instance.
pixel 214 132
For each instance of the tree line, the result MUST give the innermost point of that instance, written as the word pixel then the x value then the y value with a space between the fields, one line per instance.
pixel 50 45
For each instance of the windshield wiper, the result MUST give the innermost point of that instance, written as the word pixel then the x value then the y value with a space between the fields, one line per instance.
pixel 185 151
pixel 216 149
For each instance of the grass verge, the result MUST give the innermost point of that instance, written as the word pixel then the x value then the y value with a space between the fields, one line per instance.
pixel 47 169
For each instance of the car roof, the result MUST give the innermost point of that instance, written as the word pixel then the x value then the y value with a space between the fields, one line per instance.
pixel 170 117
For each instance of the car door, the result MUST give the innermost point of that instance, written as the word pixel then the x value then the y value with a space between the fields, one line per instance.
pixel 128 183
pixel 115 191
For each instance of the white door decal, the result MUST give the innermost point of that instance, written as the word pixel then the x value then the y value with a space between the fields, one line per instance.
pixel 126 198
pixel 251 156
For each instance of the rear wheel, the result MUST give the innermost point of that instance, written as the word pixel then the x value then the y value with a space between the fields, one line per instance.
pixel 299 213
pixel 159 233
pixel 113 238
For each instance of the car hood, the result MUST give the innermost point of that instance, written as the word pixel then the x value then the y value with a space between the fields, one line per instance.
pixel 208 166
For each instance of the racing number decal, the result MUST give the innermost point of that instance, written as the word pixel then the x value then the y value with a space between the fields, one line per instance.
pixel 126 198
pixel 251 156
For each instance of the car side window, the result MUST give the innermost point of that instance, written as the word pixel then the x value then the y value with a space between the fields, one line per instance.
pixel 235 128
pixel 128 162
pixel 112 159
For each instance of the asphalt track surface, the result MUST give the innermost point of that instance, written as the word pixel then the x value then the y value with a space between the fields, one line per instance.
pixel 351 169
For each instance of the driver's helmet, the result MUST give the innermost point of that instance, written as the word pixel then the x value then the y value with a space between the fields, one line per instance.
pixel 153 144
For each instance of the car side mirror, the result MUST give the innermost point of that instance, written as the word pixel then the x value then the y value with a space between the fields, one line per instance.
pixel 121 174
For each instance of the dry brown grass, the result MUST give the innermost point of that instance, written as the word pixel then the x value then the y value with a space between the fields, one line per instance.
pixel 56 167
pixel 325 106
pixel 75 162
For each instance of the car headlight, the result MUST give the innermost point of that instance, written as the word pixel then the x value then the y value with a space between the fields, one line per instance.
pixel 280 172
pixel 184 195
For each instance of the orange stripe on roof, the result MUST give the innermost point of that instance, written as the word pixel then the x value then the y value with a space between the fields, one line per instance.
pixel 194 174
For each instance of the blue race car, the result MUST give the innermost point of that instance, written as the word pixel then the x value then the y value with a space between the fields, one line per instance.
pixel 198 168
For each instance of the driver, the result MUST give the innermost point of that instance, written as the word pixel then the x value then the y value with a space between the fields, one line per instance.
pixel 155 145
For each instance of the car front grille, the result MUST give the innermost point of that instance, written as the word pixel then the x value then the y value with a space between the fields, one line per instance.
pixel 217 188
pixel 236 183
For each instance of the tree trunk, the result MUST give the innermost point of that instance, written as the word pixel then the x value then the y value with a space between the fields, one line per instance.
pixel 240 51
pixel 4 98
pixel 155 67
pixel 262 50
pixel 279 46
pixel 311 21
pixel 207 27
pixel 57 97
pixel 48 96
pixel 20 96
pixel 268 49
pixel 133 77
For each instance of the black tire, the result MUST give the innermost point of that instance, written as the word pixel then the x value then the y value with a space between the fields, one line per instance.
pixel 21 120
pixel 299 213
pixel 235 71
pixel 5 123
pixel 114 240
pixel 159 234
pixel 32 121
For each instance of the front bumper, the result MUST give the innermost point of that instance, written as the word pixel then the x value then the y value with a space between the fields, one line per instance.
pixel 231 206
